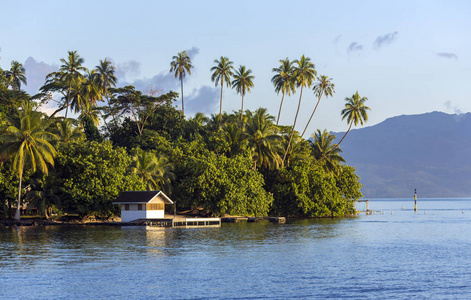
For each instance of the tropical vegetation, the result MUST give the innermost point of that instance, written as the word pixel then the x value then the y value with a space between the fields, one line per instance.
pixel 118 138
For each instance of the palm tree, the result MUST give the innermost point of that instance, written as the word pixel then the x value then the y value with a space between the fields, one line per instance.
pixel 261 138
pixel 222 72
pixel 283 81
pixel 304 74
pixel 16 75
pixel 242 83
pixel 355 111
pixel 27 141
pixel 323 148
pixel 323 87
pixel 181 64
pixel 45 193
pixel 234 137
pixel 155 172
pixel 69 73
pixel 105 78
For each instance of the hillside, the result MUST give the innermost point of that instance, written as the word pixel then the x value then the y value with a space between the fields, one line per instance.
pixel 429 152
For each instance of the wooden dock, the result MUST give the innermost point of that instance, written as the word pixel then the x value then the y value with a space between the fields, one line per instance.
pixel 180 222
pixel 276 220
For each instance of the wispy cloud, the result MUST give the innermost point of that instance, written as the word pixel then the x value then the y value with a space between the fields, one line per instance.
pixel 193 52
pixel 354 47
pixel 337 39
pixel 449 106
pixel 385 39
pixel 204 99
pixel 127 69
pixel 448 55
pixel 36 73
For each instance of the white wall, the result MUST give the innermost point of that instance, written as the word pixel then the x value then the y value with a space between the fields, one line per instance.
pixel 155 214
pixel 131 215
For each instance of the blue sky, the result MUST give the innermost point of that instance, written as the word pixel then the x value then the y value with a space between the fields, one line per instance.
pixel 407 57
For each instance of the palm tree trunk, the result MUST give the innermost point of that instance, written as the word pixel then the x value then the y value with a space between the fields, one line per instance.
pixel 336 146
pixel 319 100
pixel 279 112
pixel 17 213
pixel 242 108
pixel 220 106
pixel 294 126
pixel 183 106
pixel 67 103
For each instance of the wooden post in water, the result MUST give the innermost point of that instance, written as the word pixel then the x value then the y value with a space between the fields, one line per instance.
pixel 415 199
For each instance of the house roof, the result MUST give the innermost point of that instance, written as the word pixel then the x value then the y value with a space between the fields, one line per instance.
pixel 141 197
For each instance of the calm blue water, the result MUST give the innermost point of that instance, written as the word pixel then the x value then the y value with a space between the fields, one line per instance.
pixel 403 255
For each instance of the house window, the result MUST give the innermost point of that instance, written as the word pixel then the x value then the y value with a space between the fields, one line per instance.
pixel 126 206
pixel 139 207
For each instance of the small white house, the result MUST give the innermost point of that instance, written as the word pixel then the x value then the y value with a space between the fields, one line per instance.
pixel 142 205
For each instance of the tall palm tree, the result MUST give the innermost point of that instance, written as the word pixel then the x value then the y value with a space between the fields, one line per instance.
pixel 323 148
pixel 27 141
pixel 16 75
pixel 323 87
pixel 284 81
pixel 355 112
pixel 70 72
pixel 222 72
pixel 181 65
pixel 242 82
pixel 304 74
pixel 261 138
pixel 105 78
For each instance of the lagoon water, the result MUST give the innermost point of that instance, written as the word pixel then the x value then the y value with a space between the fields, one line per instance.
pixel 396 255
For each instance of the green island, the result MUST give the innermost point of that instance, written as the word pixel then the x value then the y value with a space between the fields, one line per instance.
pixel 242 163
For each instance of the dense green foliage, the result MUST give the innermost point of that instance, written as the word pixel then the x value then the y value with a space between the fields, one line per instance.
pixel 241 163
pixel 94 174
pixel 223 185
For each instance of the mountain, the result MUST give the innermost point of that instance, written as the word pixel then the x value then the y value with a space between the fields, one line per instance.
pixel 429 152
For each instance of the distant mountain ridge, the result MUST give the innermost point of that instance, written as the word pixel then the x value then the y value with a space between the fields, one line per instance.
pixel 430 152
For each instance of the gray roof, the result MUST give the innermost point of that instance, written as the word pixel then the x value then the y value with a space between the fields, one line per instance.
pixel 140 197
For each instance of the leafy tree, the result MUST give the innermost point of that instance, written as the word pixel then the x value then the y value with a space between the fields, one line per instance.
pixel 323 87
pixel 323 148
pixel 306 189
pixel 221 185
pixel 242 82
pixel 284 81
pixel 222 72
pixel 90 129
pixel 127 101
pixel 349 183
pixel 181 65
pixel 94 174
pixel 28 143
pixel 304 74
pixel 16 75
pixel 9 182
pixel 355 112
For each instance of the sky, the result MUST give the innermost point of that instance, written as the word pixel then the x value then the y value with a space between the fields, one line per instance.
pixel 406 57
